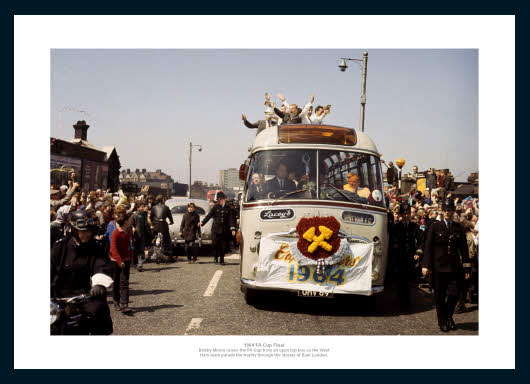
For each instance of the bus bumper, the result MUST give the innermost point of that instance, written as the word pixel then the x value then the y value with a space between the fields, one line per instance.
pixel 245 284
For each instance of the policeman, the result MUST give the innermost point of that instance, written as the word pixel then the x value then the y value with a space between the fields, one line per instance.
pixel 159 213
pixel 223 223
pixel 446 257
pixel 79 266
pixel 408 244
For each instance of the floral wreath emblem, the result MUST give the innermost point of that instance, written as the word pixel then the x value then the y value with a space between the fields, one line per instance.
pixel 318 237
pixel 318 242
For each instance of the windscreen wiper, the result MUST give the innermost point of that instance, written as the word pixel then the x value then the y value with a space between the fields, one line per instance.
pixel 342 193
pixel 288 194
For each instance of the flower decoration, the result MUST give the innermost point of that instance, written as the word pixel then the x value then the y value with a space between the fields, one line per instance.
pixel 318 237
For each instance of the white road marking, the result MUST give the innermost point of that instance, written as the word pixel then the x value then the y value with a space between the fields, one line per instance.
pixel 213 283
pixel 195 323
pixel 234 256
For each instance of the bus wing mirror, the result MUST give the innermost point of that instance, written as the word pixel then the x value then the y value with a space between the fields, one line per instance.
pixel 243 172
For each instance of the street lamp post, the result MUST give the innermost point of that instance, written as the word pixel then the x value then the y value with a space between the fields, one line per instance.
pixel 343 67
pixel 191 150
pixel 400 163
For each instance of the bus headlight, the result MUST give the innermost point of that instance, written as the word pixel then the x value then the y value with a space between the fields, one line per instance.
pixel 54 310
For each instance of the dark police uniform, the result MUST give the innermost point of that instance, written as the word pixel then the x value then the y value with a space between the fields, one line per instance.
pixel 223 224
pixel 72 266
pixel 446 255
pixel 407 242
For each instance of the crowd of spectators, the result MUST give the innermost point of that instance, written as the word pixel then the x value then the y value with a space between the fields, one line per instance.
pixel 425 209
pixel 122 224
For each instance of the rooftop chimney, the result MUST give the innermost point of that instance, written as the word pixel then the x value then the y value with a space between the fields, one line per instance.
pixel 80 130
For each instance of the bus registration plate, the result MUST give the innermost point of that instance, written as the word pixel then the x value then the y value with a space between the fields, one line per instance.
pixel 309 293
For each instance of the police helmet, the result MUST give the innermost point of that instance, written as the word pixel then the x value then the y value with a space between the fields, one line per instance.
pixel 81 220
pixel 404 208
pixel 448 204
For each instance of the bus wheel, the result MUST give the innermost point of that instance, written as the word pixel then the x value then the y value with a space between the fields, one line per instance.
pixel 251 296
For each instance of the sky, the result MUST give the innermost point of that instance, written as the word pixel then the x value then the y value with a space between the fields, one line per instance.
pixel 422 105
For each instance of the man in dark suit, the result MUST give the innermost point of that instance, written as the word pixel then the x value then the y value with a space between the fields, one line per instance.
pixel 292 116
pixel 407 243
pixel 260 124
pixel 446 257
pixel 448 182
pixel 189 231
pixel 279 185
pixel 256 190
pixel 223 223
pixel 159 213
pixel 391 174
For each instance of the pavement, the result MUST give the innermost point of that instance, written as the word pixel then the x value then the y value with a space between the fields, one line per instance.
pixel 205 299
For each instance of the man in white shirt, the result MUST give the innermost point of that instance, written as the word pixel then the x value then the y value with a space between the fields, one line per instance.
pixel 320 112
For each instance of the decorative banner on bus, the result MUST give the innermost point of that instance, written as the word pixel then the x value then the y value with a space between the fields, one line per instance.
pixel 278 268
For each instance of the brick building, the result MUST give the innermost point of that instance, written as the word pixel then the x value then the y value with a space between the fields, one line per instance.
pixel 158 181
pixel 93 167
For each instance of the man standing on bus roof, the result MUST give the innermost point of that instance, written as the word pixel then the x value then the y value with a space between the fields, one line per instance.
pixel 446 257
pixel 293 114
pixel 260 124
pixel 223 223
pixel 280 184
pixel 320 112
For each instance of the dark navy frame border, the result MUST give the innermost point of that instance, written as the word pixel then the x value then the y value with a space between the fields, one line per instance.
pixel 32 7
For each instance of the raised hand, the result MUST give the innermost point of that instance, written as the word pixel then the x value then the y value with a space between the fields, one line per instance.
pixel 243 117
pixel 267 96
pixel 281 97
pixel 312 98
